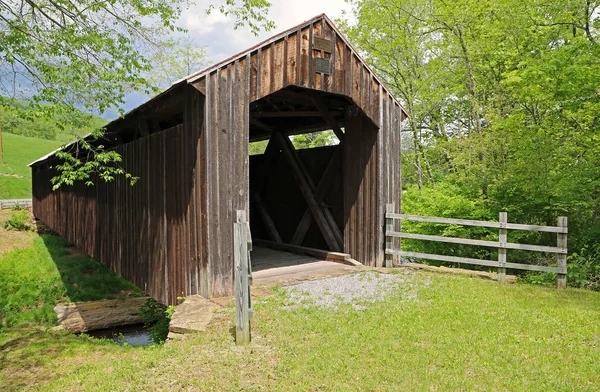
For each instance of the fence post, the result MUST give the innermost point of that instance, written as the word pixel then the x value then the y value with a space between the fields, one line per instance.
pixel 561 258
pixel 502 238
pixel 389 241
pixel 242 291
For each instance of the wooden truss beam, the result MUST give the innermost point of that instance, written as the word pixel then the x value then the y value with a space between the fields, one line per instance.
pixel 310 113
pixel 307 188
pixel 322 190
pixel 266 218
pixel 328 116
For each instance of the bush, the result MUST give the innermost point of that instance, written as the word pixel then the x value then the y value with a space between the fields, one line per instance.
pixel 19 220
pixel 583 268
pixel 157 317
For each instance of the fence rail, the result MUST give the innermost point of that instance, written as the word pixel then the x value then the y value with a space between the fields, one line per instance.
pixel 14 202
pixel 502 244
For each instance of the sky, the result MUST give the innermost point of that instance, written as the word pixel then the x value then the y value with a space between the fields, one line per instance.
pixel 216 32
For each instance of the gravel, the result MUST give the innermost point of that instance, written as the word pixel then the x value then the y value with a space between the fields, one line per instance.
pixel 358 290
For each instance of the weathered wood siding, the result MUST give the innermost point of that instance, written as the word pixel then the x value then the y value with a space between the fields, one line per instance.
pixel 150 233
pixel 289 59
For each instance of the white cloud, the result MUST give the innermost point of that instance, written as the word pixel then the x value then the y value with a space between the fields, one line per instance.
pixel 217 33
pixel 197 22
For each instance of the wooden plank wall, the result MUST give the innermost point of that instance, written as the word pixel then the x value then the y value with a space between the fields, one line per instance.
pixel 226 153
pixel 149 233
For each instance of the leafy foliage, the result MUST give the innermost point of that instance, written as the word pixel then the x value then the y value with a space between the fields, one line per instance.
pixel 85 161
pixel 19 220
pixel 157 317
pixel 314 139
pixel 504 111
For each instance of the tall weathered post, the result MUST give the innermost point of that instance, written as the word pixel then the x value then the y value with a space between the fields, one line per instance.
pixel 241 279
pixel 389 241
pixel 561 258
pixel 503 239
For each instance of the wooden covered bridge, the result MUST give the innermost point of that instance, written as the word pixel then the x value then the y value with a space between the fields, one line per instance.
pixel 171 233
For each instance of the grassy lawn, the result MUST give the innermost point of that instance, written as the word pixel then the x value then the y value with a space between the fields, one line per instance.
pixel 436 332
pixel 19 151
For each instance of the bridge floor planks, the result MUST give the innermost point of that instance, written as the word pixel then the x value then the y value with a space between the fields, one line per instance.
pixel 271 268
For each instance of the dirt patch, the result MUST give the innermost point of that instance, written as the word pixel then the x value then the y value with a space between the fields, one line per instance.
pixel 11 175
pixel 11 239
pixel 357 290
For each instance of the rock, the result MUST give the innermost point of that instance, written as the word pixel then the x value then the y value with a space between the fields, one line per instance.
pixel 193 315
pixel 87 316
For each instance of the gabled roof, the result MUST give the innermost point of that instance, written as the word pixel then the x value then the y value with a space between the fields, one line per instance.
pixel 197 77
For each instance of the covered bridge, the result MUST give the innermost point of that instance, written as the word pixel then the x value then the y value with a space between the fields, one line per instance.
pixel 171 234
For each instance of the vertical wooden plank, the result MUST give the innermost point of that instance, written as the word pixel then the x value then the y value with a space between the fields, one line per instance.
pixel 304 58
pixel 310 58
pixel 265 76
pixel 242 291
pixel 285 62
pixel 259 65
pixel 317 32
pixel 561 258
pixel 502 238
pixel 209 192
pixel 298 62
pixel 279 65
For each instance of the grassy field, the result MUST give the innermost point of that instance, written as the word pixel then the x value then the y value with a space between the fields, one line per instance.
pixel 438 332
pixel 19 151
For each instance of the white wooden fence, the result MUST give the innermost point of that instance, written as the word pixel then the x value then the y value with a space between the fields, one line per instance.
pixel 502 244
pixel 14 202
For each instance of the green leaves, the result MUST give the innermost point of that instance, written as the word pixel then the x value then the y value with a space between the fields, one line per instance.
pixel 84 162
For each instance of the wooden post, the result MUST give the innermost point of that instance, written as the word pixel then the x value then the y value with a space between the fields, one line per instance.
pixel 561 258
pixel 502 238
pixel 242 290
pixel 389 241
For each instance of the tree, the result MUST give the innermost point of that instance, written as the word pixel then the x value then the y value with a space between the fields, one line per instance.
pixel 175 60
pixel 87 54
pixel 504 105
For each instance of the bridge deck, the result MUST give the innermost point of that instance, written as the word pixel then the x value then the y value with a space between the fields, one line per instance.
pixel 271 268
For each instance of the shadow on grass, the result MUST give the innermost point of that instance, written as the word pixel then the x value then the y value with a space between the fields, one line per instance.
pixel 25 353
pixel 84 278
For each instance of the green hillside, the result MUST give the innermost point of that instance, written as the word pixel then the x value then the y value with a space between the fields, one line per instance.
pixel 44 122
pixel 19 151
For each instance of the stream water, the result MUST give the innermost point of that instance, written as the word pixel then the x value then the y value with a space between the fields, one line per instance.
pixel 133 335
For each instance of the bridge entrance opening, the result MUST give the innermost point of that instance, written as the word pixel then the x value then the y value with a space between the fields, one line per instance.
pixel 296 176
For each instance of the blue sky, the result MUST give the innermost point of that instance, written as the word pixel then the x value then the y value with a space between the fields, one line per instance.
pixel 217 34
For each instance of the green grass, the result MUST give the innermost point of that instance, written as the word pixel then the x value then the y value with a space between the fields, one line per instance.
pixel 459 333
pixel 33 279
pixel 19 151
